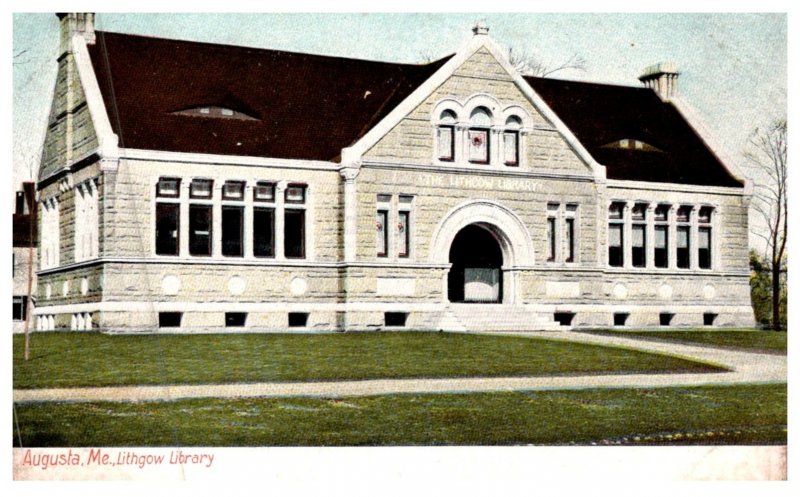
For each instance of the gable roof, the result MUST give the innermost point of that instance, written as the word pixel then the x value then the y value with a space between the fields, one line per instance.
pixel 306 106
pixel 601 114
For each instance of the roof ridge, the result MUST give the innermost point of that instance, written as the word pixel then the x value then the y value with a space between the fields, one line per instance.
pixel 584 82
pixel 272 50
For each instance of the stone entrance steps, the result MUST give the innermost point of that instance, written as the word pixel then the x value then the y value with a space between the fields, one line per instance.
pixel 495 317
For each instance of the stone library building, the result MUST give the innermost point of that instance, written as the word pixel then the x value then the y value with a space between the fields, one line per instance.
pixel 196 187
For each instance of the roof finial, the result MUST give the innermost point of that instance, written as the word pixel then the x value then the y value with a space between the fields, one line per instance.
pixel 480 28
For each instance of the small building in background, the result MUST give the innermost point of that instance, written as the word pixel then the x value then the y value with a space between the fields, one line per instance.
pixel 25 254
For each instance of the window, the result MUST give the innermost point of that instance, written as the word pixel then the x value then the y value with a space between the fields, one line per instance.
pixel 704 247
pixel 661 243
pixel 167 225
pixel 201 188
pixel 264 192
pixel 445 136
pixel 263 232
pixel 50 242
pixel 403 236
pixel 20 307
pixel 661 246
pixel 21 206
pixel 709 318
pixel 169 319
pixel 395 318
pixel 620 318
pixel 665 318
pixel 551 239
pixel 232 231
pixel 683 247
pixel 294 228
pixel 569 231
pixel 478 135
pixel 235 319
pixel 233 190
pixel 511 141
pixel 168 187
pixel 570 238
pixel 200 217
pixel 295 193
pixel 552 213
pixel 298 319
pixel 615 235
pixel 638 245
pixel 564 318
pixel 382 232
pixel 704 238
pixel 404 225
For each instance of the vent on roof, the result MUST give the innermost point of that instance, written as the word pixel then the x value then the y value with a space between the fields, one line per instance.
pixel 214 111
pixel 631 144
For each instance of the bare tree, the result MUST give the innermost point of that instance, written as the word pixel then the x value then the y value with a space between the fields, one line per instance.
pixel 530 65
pixel 767 154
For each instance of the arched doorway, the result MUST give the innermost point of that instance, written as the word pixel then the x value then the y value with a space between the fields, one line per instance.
pixel 475 274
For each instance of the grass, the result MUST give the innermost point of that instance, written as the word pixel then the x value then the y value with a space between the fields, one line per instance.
pixel 93 359
pixel 730 415
pixel 751 340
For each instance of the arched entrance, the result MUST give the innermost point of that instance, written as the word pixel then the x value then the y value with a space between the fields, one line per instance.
pixel 476 273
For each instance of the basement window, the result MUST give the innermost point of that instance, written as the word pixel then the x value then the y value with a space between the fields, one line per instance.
pixel 397 319
pixel 298 319
pixel 709 318
pixel 620 318
pixel 235 319
pixel 169 319
pixel 665 318
pixel 564 318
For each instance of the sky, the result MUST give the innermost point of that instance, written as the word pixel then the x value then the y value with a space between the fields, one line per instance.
pixel 733 66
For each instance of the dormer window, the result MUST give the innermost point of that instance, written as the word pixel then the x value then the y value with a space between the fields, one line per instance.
pixel 214 111
pixel 446 136
pixel 479 146
pixel 631 144
pixel 511 141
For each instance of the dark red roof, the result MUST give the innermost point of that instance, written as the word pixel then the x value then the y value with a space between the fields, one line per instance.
pixel 601 114
pixel 312 106
pixel 307 106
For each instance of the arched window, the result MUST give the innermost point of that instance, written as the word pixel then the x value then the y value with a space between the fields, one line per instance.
pixel 446 136
pixel 511 141
pixel 479 146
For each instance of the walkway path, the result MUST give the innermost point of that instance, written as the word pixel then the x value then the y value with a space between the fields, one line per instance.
pixel 748 367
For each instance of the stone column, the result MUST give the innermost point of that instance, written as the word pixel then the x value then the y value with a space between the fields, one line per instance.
pixel 349 175
pixel 627 235
pixel 247 228
pixel 461 145
pixel 216 221
pixel 280 188
pixel 694 238
pixel 650 236
pixel 672 230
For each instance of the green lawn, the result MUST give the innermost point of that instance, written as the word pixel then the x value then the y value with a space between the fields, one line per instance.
pixel 731 415
pixel 93 359
pixel 752 340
